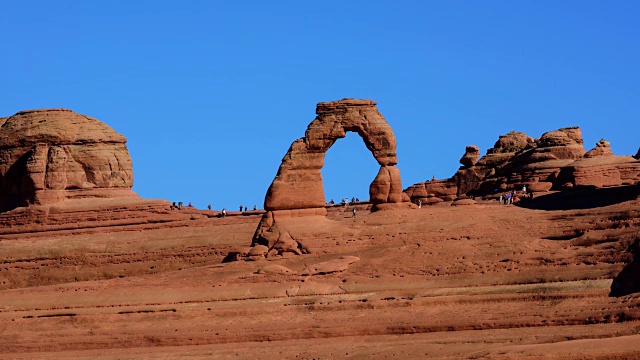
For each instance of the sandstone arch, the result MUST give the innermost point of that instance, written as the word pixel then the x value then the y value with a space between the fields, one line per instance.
pixel 297 189
pixel 298 183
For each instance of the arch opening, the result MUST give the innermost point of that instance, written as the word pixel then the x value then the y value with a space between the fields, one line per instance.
pixel 348 169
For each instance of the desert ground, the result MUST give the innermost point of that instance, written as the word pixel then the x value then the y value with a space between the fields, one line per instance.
pixel 118 281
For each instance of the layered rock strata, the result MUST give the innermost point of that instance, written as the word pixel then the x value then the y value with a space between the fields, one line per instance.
pixel 297 188
pixel 601 168
pixel 556 160
pixel 49 155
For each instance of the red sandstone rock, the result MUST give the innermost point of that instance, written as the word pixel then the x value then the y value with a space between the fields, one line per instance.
pixel 601 168
pixel 470 157
pixel 338 265
pixel 298 183
pixel 297 186
pixel 555 160
pixel 463 202
pixel 387 186
pixel 467 180
pixel 444 190
pixel 603 148
pixel 49 155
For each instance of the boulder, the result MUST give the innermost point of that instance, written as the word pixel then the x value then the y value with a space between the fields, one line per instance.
pixel 49 155
pixel 470 157
pixel 463 202
pixel 510 143
pixel 603 148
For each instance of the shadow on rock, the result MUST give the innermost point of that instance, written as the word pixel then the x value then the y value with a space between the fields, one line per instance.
pixel 583 198
pixel 628 280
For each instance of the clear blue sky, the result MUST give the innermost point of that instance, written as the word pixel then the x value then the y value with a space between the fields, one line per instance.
pixel 211 94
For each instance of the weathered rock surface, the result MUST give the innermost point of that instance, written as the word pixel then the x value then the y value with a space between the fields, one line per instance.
pixel 431 192
pixel 603 148
pixel 49 155
pixel 298 183
pixel 328 267
pixel 556 160
pixel 297 188
pixel 439 281
pixel 601 170
pixel 470 157
pixel 628 280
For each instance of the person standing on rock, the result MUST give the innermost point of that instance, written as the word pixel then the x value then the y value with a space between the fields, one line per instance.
pixel 500 199
pixel 255 207
pixel 524 189
pixel 240 208
pixel 224 212
pixel 354 212
pixel 419 204
pixel 209 207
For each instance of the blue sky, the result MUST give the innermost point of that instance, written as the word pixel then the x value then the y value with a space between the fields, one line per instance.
pixel 211 94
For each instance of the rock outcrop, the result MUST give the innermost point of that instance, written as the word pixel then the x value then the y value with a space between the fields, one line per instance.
pixel 556 160
pixel 298 183
pixel 603 148
pixel 49 155
pixel 470 157
pixel 637 155
pixel 297 189
pixel 601 168
pixel 537 165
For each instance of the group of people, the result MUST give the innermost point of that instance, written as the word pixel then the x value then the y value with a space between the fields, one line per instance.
pixel 511 197
pixel 255 207
pixel 242 208
pixel 179 205
pixel 345 201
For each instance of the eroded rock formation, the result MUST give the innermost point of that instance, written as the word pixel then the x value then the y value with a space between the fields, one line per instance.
pixel 556 160
pixel 470 157
pixel 49 155
pixel 297 189
pixel 601 168
pixel 298 184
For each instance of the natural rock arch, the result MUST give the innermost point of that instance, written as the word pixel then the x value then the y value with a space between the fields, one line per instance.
pixel 298 183
pixel 297 189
